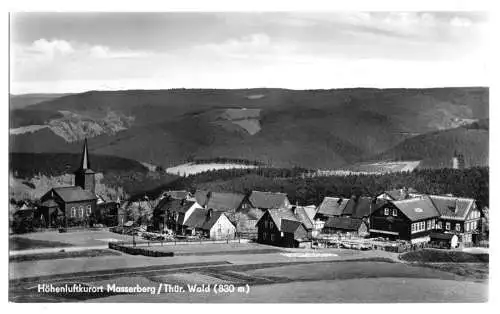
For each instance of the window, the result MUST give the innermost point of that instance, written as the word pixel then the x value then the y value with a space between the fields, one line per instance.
pixel 439 225
pixel 272 237
pixel 433 224
pixel 428 224
pixel 457 227
pixel 270 225
pixel 467 227
pixel 448 226
pixel 265 223
pixel 412 228
pixel 89 210
pixel 386 211
pixel 73 212
pixel 80 211
pixel 394 212
pixel 264 235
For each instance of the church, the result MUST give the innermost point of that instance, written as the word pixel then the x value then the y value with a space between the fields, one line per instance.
pixel 71 205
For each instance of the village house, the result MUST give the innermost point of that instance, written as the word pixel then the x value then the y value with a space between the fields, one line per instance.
pixel 411 220
pixel 235 206
pixel 72 205
pixel 285 227
pixel 458 215
pixel 330 207
pixel 209 223
pixel 171 214
pixel 228 203
pixel 267 200
pixel 346 215
pixel 348 226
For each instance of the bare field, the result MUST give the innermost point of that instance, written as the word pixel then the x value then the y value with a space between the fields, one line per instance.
pixel 192 168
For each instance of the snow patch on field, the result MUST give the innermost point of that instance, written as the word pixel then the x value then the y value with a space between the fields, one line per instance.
pixel 192 168
pixel 256 96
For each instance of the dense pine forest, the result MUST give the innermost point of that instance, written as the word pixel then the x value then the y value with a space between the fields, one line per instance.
pixel 471 182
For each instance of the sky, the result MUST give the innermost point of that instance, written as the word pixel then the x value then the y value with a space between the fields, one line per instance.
pixel 76 52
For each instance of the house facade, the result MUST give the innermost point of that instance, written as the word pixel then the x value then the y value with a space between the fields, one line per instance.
pixel 460 216
pixel 210 224
pixel 352 227
pixel 171 214
pixel 411 220
pixel 284 227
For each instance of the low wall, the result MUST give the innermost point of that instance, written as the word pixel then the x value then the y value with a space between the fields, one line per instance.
pixel 138 250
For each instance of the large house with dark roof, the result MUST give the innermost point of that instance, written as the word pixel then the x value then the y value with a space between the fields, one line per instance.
pixel 410 219
pixel 71 205
pixel 458 215
pixel 290 227
pixel 346 215
pixel 443 214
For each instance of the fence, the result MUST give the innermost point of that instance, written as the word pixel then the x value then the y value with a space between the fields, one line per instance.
pixel 173 242
pixel 395 247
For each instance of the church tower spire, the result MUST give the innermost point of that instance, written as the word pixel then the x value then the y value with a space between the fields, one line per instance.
pixel 85 163
pixel 84 176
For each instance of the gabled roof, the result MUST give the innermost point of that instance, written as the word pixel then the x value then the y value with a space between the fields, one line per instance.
pixel 332 206
pixel 303 217
pixel 452 207
pixel 197 218
pixel 277 214
pixel 178 195
pixel 289 226
pixel 201 197
pixel 417 208
pixel 296 214
pixel 344 223
pixel 74 194
pixel 360 207
pixel 174 205
pixel 310 211
pixel 210 222
pixel 267 200
pixel 224 201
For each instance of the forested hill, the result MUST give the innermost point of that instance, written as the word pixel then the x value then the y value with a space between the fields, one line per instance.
pixel 324 129
pixel 472 182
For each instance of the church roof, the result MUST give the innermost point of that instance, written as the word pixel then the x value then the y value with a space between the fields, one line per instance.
pixel 74 194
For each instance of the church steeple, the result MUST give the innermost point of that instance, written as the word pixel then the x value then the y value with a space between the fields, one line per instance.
pixel 84 176
pixel 85 162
